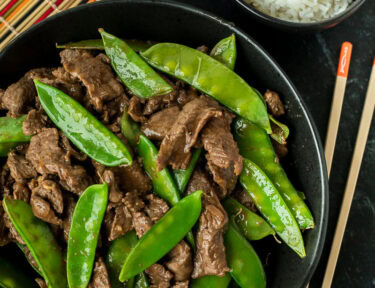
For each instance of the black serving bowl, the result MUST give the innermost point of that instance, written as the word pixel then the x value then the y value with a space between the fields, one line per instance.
pixel 168 21
pixel 299 27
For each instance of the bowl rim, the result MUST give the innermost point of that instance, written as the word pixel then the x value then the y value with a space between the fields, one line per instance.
pixel 331 22
pixel 324 206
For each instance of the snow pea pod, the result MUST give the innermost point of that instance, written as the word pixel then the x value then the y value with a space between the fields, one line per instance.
pixel 117 253
pixel 82 128
pixel 40 241
pixel 256 146
pixel 182 177
pixel 250 224
pixel 163 236
pixel 281 133
pixel 211 281
pixel 211 77
pixel 84 233
pixel 225 51
pixel 136 74
pixel 13 277
pixel 97 44
pixel 246 267
pixel 11 134
pixel 272 206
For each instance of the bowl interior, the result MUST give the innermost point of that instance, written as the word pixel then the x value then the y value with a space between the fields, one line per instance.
pixel 167 21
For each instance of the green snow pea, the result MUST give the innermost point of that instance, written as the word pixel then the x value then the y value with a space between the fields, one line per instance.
pixel 211 281
pixel 272 206
pixel 11 134
pixel 97 44
pixel 281 133
pixel 140 78
pixel 245 265
pixel 255 145
pixel 13 277
pixel 40 241
pixel 225 51
pixel 211 77
pixel 182 177
pixel 250 224
pixel 163 236
pixel 117 253
pixel 130 129
pixel 82 128
pixel 84 234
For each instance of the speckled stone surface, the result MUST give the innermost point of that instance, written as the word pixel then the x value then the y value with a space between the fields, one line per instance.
pixel 311 62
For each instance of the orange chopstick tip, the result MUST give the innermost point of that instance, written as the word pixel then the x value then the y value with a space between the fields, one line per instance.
pixel 345 56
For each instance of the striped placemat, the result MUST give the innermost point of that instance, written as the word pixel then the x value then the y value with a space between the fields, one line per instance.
pixel 16 16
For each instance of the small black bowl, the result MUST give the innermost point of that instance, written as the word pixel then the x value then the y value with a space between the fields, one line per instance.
pixel 289 26
pixel 169 21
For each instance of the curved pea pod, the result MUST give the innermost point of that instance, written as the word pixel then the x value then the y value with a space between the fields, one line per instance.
pixel 130 129
pixel 163 236
pixel 250 224
pixel 245 266
pixel 82 128
pixel 211 77
pixel 84 233
pixel 225 51
pixel 13 277
pixel 272 206
pixel 140 78
pixel 40 241
pixel 211 281
pixel 11 134
pixel 182 177
pixel 255 145
pixel 281 133
pixel 97 44
pixel 117 253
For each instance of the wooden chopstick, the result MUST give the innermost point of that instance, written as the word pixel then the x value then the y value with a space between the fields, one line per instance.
pixel 338 98
pixel 355 166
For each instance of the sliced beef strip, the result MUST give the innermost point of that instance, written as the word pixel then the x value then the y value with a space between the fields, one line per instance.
pixel 134 178
pixel 13 234
pixel 4 237
pixel 1 100
pixel 48 157
pixel 186 94
pixel 118 220
pixel 135 109
pixel 242 196
pixel 6 181
pixel 96 75
pixel 34 122
pixel 41 283
pixel 204 49
pixel 70 151
pixel 46 200
pixel 223 158
pixel 210 250
pixel 181 261
pixel 141 222
pixel 274 103
pixel 159 124
pixel 175 148
pixel 155 208
pixel 159 276
pixel 184 284
pixel 20 168
pixel 69 205
pixel 100 278
pixel 21 192
pixel 281 150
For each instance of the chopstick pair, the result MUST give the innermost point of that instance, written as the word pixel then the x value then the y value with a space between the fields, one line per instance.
pixel 359 150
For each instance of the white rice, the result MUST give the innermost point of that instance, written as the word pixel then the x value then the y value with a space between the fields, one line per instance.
pixel 301 10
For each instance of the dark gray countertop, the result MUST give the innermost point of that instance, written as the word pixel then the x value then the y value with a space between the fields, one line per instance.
pixel 311 62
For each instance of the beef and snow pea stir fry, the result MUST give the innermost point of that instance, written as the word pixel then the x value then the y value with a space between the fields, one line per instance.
pixel 143 164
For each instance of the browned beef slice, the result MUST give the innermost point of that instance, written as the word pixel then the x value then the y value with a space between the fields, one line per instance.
pixel 20 168
pixel 281 150
pixel 186 94
pixel 34 122
pixel 1 100
pixel 41 283
pixel 204 49
pixel 159 276
pixel 69 205
pixel 159 124
pixel 4 238
pixel 142 223
pixel 97 76
pixel 6 181
pixel 30 258
pixel 134 178
pixel 19 96
pixel 242 196
pixel 156 207
pixel 181 261
pixel 210 253
pixel 118 220
pixel 175 148
pixel 46 200
pixel 21 192
pixel 184 284
pixel 70 151
pixel 100 277
pixel 13 234
pixel 223 158
pixel 274 104
pixel 48 157
pixel 135 109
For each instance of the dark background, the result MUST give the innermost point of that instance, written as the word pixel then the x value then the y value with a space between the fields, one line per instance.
pixel 310 60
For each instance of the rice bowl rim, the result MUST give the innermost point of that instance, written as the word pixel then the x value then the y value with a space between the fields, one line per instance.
pixel 290 25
